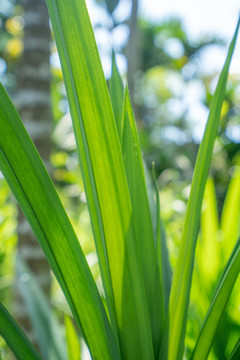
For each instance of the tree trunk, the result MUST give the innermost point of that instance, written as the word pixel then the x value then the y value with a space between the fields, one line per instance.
pixel 34 106
pixel 132 48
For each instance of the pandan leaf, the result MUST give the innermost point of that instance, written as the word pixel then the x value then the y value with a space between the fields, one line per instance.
pixel 104 176
pixel 15 337
pixel 35 193
pixel 217 306
pixel 173 342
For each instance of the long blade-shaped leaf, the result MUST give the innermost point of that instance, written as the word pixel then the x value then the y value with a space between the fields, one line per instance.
pixel 116 91
pixel 230 220
pixel 134 167
pixel 235 355
pixel 163 267
pixel 173 343
pixel 104 175
pixel 15 337
pixel 141 212
pixel 73 344
pixel 217 306
pixel 209 260
pixel 32 187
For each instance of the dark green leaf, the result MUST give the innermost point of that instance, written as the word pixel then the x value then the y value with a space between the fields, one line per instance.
pixel 15 337
pixel 34 191
pixel 235 355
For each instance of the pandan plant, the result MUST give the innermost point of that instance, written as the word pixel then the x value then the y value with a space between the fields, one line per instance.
pixel 145 308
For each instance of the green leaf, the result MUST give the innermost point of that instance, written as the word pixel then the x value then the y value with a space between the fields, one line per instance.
pixel 208 266
pixel 45 325
pixel 104 176
pixel 173 342
pixel 35 193
pixel 235 355
pixel 230 219
pixel 15 337
pixel 209 259
pixel 217 306
pixel 73 344
pixel 163 265
pixel 141 212
pixel 116 92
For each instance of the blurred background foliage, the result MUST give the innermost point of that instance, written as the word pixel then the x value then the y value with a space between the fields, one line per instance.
pixel 171 96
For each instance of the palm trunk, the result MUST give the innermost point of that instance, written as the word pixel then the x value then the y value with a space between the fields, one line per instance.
pixel 34 106
pixel 132 48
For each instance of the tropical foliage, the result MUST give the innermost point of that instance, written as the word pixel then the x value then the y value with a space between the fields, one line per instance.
pixel 143 313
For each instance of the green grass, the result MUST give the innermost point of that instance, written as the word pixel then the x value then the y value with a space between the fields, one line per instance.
pixel 141 319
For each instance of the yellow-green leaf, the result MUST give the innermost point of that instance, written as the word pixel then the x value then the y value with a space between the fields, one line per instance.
pixel 104 176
